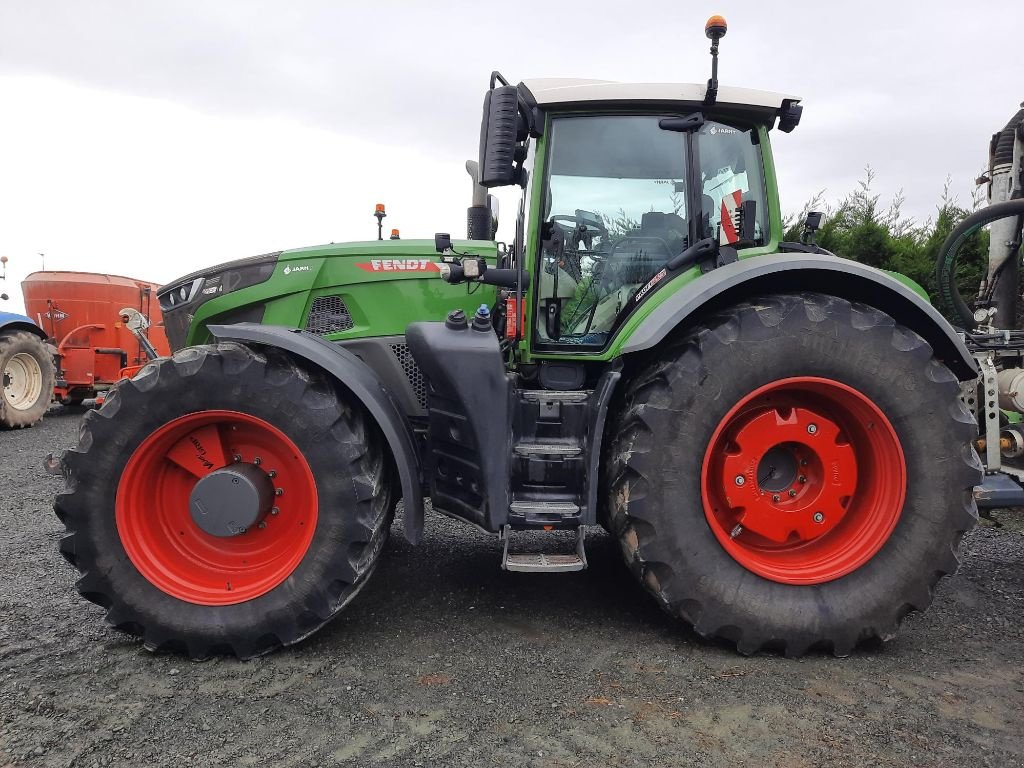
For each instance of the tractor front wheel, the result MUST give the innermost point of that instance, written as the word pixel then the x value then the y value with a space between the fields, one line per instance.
pixel 224 501
pixel 796 473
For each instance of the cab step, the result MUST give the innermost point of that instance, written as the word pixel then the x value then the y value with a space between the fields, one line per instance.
pixel 562 509
pixel 548 449
pixel 543 562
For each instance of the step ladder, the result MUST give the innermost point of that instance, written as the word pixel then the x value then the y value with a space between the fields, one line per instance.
pixel 543 562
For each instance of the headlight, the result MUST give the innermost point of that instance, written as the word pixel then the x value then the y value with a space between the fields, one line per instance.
pixel 180 295
pixel 197 288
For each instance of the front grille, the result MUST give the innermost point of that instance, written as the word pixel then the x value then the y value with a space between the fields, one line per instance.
pixel 176 323
pixel 412 373
pixel 328 314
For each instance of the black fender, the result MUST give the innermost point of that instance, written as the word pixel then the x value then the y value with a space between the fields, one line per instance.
pixel 364 384
pixel 780 273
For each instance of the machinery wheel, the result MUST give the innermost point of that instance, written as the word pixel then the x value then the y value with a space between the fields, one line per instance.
pixel 224 501
pixel 794 474
pixel 28 376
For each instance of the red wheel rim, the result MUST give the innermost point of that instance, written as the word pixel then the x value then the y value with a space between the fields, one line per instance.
pixel 803 480
pixel 176 555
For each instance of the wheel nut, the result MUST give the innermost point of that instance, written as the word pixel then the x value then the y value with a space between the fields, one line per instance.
pixel 792 493
pixel 801 479
pixel 775 497
pixel 257 461
pixel 275 511
pixel 263 524
pixel 272 474
pixel 237 458
pixel 812 429
pixel 279 491
pixel 818 517
pixel 740 479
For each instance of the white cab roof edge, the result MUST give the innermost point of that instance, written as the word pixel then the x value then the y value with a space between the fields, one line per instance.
pixel 554 90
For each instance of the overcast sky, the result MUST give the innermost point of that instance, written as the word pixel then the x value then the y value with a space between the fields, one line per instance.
pixel 151 139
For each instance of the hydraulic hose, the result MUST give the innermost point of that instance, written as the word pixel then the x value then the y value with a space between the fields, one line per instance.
pixel 945 272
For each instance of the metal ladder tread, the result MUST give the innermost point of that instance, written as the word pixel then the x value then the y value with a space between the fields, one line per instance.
pixel 537 395
pixel 543 562
pixel 548 449
pixel 557 507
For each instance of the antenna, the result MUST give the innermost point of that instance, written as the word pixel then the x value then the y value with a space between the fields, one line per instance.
pixel 715 29
pixel 42 260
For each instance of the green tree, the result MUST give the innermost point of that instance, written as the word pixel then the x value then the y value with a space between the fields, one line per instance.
pixel 861 228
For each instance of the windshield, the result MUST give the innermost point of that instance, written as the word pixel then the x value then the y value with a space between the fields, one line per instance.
pixel 616 210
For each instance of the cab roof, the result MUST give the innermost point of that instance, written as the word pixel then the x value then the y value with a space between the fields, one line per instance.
pixel 553 91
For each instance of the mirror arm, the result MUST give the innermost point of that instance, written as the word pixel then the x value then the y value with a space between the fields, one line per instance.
pixel 693 254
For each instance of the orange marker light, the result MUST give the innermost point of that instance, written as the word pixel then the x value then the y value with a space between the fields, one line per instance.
pixel 716 27
pixel 379 208
pixel 394 234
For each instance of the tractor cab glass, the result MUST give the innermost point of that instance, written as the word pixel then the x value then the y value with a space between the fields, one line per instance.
pixel 617 207
pixel 730 174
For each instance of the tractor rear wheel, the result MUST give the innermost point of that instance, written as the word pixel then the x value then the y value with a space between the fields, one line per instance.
pixel 794 474
pixel 28 376
pixel 224 501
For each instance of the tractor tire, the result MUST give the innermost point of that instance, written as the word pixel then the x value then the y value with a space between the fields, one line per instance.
pixel 794 474
pixel 28 377
pixel 145 546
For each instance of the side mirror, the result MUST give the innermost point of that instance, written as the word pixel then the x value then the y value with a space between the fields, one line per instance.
pixel 501 130
pixel 4 296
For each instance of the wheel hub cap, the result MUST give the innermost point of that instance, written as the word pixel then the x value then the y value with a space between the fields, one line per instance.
pixel 797 483
pixel 231 500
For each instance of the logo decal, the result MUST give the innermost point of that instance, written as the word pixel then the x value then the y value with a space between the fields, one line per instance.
pixel 651 283
pixel 300 268
pixel 200 453
pixel 56 314
pixel 398 265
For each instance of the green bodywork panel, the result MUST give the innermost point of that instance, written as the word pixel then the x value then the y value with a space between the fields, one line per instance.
pixel 911 284
pixel 386 284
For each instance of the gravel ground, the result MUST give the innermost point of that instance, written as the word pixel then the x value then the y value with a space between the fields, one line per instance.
pixel 446 660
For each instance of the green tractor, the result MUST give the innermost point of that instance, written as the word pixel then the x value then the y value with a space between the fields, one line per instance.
pixel 775 435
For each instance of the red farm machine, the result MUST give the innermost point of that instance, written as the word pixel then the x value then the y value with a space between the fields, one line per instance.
pixel 98 326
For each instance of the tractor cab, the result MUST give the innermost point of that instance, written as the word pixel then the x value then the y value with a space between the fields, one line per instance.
pixel 631 178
